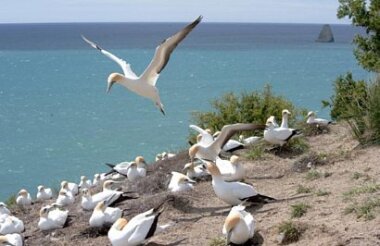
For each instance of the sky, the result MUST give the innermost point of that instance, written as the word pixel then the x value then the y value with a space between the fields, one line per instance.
pixel 259 11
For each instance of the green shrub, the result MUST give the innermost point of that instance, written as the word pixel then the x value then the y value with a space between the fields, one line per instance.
pixel 11 201
pixel 299 210
pixel 291 232
pixel 358 103
pixel 248 107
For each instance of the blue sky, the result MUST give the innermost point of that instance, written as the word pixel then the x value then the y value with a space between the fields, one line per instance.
pixel 272 11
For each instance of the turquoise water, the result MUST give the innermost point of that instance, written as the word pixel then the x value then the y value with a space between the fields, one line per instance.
pixel 57 122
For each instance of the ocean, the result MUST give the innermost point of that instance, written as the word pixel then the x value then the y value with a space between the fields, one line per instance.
pixel 57 121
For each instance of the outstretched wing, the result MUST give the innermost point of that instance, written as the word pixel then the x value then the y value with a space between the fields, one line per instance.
pixel 163 51
pixel 123 64
pixel 207 138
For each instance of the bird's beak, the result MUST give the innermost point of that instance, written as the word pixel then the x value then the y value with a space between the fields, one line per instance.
pixel 191 181
pixel 110 84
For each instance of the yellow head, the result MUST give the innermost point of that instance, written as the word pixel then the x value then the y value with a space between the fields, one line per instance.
pixel 114 78
pixel 120 224
pixel 234 159
pixel 140 161
pixel 193 151
pixel 229 224
pixel 212 169
pixel 101 206
pixel 23 193
pixel 285 112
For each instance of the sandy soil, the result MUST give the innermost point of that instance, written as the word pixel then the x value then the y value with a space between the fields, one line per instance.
pixel 199 215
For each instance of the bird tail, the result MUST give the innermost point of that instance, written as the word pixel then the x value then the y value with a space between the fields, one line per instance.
pixel 258 199
pixel 295 132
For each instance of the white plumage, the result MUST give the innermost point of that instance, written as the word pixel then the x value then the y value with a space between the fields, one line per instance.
pixel 239 225
pixel 44 193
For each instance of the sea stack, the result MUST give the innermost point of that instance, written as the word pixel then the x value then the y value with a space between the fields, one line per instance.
pixel 326 35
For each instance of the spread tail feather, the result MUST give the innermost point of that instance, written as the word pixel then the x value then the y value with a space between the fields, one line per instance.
pixel 258 199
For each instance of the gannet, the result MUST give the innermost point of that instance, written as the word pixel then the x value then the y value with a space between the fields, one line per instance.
pixel 239 226
pixel 145 84
pixel 138 229
pixel 97 180
pixel 231 144
pixel 209 149
pixel 234 193
pixel 11 224
pixel 180 182
pixel 278 135
pixel 249 140
pixel 273 120
pixel 120 168
pixel 52 218
pixel 44 193
pixel 231 170
pixel 316 121
pixel 84 183
pixel 24 198
pixel 11 240
pixel 65 198
pixel 89 202
pixel 70 187
pixel 284 121
pixel 104 215
pixel 4 209
pixel 194 171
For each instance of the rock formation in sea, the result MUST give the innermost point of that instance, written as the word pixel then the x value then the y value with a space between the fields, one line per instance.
pixel 326 35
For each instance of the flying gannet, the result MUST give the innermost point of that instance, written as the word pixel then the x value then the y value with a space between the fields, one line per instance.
pixel 104 215
pixel 44 193
pixel 239 226
pixel 138 229
pixel 209 149
pixel 311 120
pixel 145 84
pixel 234 193
pixel 24 198
pixel 13 239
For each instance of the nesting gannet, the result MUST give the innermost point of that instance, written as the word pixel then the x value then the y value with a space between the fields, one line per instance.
pixel 273 120
pixel 65 198
pixel 89 201
pixel 249 140
pixel 97 180
pixel 284 121
pixel 145 84
pixel 13 239
pixel 24 198
pixel 239 226
pixel 104 215
pixel 84 183
pixel 209 150
pixel 194 171
pixel 180 182
pixel 52 218
pixel 4 209
pixel 234 193
pixel 11 224
pixel 231 170
pixel 278 135
pixel 70 187
pixel 138 229
pixel 316 121
pixel 44 193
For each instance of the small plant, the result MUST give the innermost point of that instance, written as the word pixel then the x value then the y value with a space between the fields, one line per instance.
pixel 256 152
pixel 291 233
pixel 11 201
pixel 364 210
pixel 303 189
pixel 299 210
pixel 313 175
pixel 298 145
pixel 357 175
pixel 322 193
pixel 368 188
pixel 218 241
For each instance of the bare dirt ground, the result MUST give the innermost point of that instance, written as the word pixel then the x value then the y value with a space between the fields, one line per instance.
pixel 199 215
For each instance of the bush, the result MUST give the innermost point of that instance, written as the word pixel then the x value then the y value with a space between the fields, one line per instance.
pixel 248 107
pixel 358 103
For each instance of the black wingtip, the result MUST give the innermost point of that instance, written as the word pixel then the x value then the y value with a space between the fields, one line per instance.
pixel 110 165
